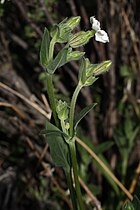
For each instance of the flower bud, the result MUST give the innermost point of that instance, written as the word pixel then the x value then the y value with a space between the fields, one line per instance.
pixel 73 22
pixel 101 68
pixel 62 110
pixel 81 38
pixel 74 55
pixel 95 23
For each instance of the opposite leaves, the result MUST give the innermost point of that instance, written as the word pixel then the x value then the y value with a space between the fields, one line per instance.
pixel 58 147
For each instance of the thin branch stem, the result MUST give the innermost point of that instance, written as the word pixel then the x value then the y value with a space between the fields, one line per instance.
pixel 72 108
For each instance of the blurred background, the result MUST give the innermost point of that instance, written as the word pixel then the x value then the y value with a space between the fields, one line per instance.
pixel 28 178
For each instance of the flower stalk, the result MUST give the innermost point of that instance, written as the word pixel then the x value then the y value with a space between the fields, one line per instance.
pixel 72 108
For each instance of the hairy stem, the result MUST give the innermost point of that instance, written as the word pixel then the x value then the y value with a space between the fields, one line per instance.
pixel 71 188
pixel 75 173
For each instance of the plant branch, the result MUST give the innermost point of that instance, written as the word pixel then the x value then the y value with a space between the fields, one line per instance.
pixel 75 173
pixel 72 191
pixel 72 108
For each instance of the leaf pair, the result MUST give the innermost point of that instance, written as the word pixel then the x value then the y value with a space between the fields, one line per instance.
pixel 58 147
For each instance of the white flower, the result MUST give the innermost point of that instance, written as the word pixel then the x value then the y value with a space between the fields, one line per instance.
pixel 100 35
pixel 95 23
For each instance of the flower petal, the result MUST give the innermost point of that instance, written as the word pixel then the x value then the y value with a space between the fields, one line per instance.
pixel 95 23
pixel 101 36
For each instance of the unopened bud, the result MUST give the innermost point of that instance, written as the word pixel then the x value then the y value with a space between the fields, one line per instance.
pixel 62 110
pixel 96 69
pixel 81 38
pixel 102 68
pixel 73 22
pixel 74 55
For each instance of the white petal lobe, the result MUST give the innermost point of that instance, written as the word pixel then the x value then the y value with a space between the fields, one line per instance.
pixel 101 36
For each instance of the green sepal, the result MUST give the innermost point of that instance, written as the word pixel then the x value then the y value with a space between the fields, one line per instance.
pixel 101 68
pixel 44 50
pixel 90 81
pixel 58 147
pixel 80 38
pixel 74 55
pixel 73 22
pixel 55 32
pixel 58 61
pixel 82 114
pixel 61 33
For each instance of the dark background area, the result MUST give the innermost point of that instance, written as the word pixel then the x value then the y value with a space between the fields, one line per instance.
pixel 28 178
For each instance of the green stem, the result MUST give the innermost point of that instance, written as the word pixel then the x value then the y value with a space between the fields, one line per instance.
pixel 72 108
pixel 75 173
pixel 52 97
pixel 72 191
pixel 50 85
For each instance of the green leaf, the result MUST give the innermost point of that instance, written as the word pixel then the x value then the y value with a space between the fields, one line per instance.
pixel 59 60
pixel 44 50
pixel 82 114
pixel 58 147
pixel 82 71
